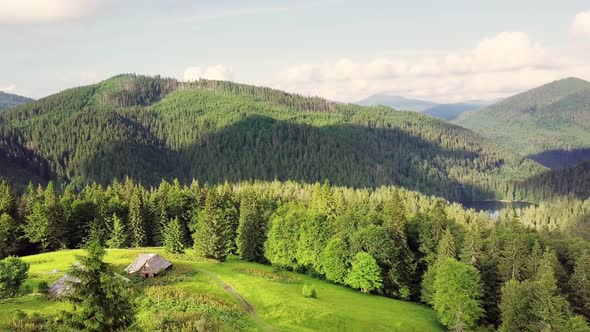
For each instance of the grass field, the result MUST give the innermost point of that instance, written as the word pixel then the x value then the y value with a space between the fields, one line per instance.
pixel 236 295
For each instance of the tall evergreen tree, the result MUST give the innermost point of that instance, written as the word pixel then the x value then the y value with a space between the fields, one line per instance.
pixel 118 236
pixel 102 300
pixel 580 285
pixel 252 229
pixel 174 237
pixel 136 225
pixel 213 234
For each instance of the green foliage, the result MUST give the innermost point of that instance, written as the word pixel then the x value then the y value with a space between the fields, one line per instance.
pixel 102 300
pixel 13 272
pixel 136 221
pixel 283 236
pixel 336 260
pixel 553 116
pixel 364 274
pixel 580 285
pixel 457 295
pixel 8 100
pixel 9 232
pixel 173 237
pixel 251 232
pixel 140 127
pixel 212 236
pixel 118 237
pixel 42 287
pixel 309 291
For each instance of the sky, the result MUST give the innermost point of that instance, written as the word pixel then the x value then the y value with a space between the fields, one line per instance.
pixel 442 51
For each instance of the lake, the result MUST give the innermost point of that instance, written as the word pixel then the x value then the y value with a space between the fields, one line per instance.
pixel 493 208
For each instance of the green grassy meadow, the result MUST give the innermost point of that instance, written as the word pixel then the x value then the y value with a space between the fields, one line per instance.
pixel 196 287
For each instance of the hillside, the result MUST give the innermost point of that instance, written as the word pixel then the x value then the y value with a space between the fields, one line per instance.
pixel 8 100
pixel 555 116
pixel 275 297
pixel 154 128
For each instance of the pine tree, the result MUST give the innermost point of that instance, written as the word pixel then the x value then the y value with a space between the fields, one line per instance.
pixel 549 307
pixel 174 237
pixel 252 229
pixel 580 285
pixel 515 306
pixel 513 252
pixel 9 233
pixel 137 230
pixel 395 222
pixel 118 236
pixel 212 235
pixel 102 300
pixel 533 261
pixel 472 252
pixel 446 249
pixel 38 226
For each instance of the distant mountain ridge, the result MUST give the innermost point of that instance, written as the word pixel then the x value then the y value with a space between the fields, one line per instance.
pixel 396 102
pixel 552 117
pixel 150 128
pixel 8 100
pixel 442 111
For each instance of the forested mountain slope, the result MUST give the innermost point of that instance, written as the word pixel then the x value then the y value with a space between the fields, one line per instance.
pixel 555 116
pixel 154 128
pixel 8 100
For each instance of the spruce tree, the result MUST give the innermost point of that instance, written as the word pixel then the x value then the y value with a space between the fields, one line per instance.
pixel 213 233
pixel 137 231
pixel 549 307
pixel 174 237
pixel 579 283
pixel 118 234
pixel 252 229
pixel 446 249
pixel 102 299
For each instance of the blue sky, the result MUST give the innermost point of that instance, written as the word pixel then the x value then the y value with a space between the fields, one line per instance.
pixel 339 49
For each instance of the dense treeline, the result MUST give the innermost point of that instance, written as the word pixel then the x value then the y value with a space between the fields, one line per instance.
pixel 512 274
pixel 574 181
pixel 153 128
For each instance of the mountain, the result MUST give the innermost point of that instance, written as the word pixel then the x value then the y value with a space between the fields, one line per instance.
pixel 396 102
pixel 442 111
pixel 8 100
pixel 553 117
pixel 450 112
pixel 150 128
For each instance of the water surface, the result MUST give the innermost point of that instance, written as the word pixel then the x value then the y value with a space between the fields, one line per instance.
pixel 493 208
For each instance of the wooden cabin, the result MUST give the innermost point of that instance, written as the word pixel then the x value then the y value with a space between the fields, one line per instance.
pixel 63 286
pixel 148 265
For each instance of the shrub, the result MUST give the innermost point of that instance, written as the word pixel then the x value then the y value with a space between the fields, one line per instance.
pixel 13 272
pixel 42 287
pixel 309 291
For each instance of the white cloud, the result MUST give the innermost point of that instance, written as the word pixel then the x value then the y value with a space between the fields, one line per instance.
pixel 218 72
pixel 581 25
pixel 9 88
pixel 45 11
pixel 496 67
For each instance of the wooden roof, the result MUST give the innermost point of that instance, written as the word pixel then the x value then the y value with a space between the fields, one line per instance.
pixel 148 263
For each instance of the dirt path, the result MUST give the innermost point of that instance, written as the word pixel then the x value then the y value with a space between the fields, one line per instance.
pixel 247 306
